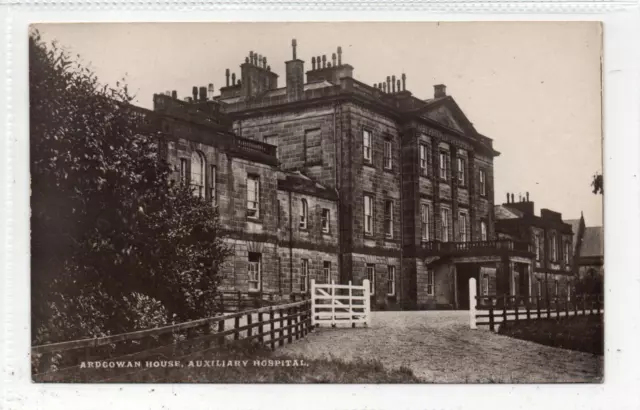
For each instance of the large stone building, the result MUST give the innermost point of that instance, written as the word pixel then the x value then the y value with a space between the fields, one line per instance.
pixel 331 178
pixel 552 240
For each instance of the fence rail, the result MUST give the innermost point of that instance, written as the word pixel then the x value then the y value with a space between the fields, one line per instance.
pixel 496 310
pixel 270 325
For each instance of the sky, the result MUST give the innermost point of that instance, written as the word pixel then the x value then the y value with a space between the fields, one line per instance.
pixel 533 87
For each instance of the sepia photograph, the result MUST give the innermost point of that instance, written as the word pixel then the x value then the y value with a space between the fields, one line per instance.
pixel 339 202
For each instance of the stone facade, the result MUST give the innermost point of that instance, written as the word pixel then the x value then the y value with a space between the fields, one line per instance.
pixel 396 189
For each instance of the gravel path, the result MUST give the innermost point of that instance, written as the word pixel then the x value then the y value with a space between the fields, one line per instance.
pixel 439 347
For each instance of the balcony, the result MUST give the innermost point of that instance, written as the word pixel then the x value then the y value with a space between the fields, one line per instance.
pixel 493 247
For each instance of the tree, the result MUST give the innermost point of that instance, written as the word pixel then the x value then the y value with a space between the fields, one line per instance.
pixel 115 245
pixel 597 184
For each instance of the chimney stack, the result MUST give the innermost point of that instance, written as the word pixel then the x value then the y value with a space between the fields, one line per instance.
pixel 203 93
pixel 295 75
pixel 439 91
pixel 194 93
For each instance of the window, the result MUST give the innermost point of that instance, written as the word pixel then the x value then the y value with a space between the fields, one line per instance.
pixel 566 253
pixel 483 183
pixel 539 287
pixel 536 239
pixel 197 174
pixel 313 147
pixel 388 162
pixel 255 271
pixel 253 196
pixel 326 272
pixel 424 222
pixel 424 155
pixel 304 275
pixel 445 216
pixel 325 220
pixel 183 170
pixel 304 213
pixel 431 285
pixel 554 247
pixel 462 222
pixel 212 184
pixel 483 231
pixel 391 280
pixel 461 167
pixel 444 164
pixel 485 285
pixel 368 215
pixel 366 146
pixel 371 275
pixel 388 219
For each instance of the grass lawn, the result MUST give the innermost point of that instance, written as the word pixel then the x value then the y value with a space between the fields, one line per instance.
pixel 581 333
pixel 244 363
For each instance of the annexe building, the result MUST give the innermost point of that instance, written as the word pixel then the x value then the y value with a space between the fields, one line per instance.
pixel 332 178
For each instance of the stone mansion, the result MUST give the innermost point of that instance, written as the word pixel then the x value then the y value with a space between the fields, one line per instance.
pixel 329 178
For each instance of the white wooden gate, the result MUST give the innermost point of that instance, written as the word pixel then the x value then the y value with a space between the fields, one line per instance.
pixel 334 304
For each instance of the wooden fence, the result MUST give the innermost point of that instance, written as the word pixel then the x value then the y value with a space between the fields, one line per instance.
pixel 271 326
pixel 237 301
pixel 495 310
pixel 335 304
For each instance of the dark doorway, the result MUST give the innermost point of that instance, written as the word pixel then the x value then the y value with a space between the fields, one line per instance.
pixel 523 279
pixel 465 271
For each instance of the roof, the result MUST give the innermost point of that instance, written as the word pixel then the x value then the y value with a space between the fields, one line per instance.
pixel 575 227
pixel 593 242
pixel 504 212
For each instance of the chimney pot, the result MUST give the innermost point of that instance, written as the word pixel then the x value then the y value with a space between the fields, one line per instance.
pixel 194 93
pixel 339 55
pixel 324 61
pixel 333 59
pixel 398 84
pixel 174 94
pixel 512 198
pixel 246 60
pixel 393 83
pixel 226 73
pixel 264 62
pixel 313 63
pixel 404 82
pixel 268 68
pixel 210 91
pixel 318 62
pixel 388 84
pixel 203 93
pixel 384 87
pixel 527 196
pixel 507 197
pixel 439 90
pixel 233 79
pixel 294 44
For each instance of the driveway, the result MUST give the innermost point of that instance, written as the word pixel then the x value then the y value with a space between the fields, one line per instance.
pixel 440 348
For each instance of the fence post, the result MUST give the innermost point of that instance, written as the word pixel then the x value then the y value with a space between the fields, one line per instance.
pixel 528 307
pixel 239 301
pixel 515 303
pixel 598 304
pixel 472 303
pixel 575 305
pixel 367 302
pixel 333 303
pixel 261 327
pixel 504 309
pixel 281 329
pixel 221 329
pixel 538 306
pixel 566 307
pixel 249 323
pixel 272 331
pixel 351 307
pixel 313 300
pixel 548 306
pixel 236 325
pixel 584 304
pixel 289 328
